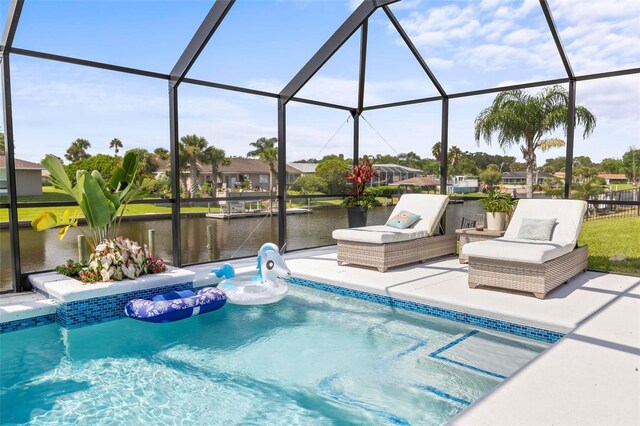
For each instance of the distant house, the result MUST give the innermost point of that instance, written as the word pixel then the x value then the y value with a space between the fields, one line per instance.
pixel 28 177
pixel 239 171
pixel 392 173
pixel 304 168
pixel 613 178
pixel 519 179
pixel 249 169
pixel 463 184
pixel 419 182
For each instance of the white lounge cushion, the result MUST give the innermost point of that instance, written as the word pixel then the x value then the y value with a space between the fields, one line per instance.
pixel 518 250
pixel 429 207
pixel 568 214
pixel 378 234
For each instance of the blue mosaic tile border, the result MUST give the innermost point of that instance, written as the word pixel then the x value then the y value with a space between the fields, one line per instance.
pixel 21 324
pixel 436 355
pixel 81 313
pixel 529 332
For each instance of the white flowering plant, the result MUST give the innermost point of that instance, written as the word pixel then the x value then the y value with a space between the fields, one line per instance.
pixel 118 259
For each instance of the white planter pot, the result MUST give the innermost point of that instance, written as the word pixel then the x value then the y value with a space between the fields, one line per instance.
pixel 496 221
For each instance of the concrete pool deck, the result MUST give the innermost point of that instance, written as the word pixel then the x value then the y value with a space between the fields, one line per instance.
pixel 591 376
pixel 443 283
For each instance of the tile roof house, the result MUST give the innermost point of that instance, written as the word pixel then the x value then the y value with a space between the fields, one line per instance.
pixel 28 177
pixel 610 178
pixel 392 173
pixel 305 168
pixel 238 171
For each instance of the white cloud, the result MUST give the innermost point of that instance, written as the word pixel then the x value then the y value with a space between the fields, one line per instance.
pixel 580 11
pixel 485 37
pixel 615 99
pixel 407 5
pixel 524 35
pixel 440 62
pixel 599 36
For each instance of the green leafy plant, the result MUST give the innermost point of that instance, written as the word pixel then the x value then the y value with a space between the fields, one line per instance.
pixel 359 176
pixel 553 188
pixel 71 268
pixel 589 190
pixel 367 201
pixel 121 258
pixel 498 202
pixel 79 271
pixel 102 202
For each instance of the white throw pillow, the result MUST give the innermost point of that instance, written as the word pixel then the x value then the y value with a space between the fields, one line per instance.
pixel 537 229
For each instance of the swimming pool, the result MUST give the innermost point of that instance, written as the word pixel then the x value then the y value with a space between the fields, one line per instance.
pixel 313 358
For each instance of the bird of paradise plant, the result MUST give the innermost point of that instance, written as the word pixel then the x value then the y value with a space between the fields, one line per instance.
pixel 359 176
pixel 102 203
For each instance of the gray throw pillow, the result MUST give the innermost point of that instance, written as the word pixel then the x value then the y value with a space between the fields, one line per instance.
pixel 537 229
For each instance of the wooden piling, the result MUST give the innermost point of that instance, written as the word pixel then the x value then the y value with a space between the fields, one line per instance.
pixel 152 242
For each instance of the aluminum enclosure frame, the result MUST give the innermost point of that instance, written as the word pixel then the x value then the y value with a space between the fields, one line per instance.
pixel 178 75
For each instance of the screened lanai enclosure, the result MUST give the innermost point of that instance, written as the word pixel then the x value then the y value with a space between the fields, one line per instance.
pixel 290 85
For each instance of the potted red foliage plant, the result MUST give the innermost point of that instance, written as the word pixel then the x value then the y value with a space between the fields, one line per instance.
pixel 359 200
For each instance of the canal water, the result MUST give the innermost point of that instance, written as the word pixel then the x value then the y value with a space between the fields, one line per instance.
pixel 233 238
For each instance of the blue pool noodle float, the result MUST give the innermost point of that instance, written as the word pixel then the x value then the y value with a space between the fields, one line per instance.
pixel 176 305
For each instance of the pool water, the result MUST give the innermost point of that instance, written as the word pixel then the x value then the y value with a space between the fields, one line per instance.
pixel 313 358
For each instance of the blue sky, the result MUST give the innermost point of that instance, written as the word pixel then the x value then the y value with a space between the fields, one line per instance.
pixel 262 44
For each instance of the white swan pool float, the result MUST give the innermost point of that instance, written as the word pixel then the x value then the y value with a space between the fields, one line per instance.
pixel 268 286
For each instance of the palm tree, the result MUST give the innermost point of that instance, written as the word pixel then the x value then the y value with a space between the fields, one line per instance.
pixel 455 155
pixel 520 118
pixel 436 150
pixel 116 144
pixel 588 190
pixel 1 143
pixel 146 161
pixel 215 157
pixel 192 149
pixel 161 153
pixel 267 152
pixel 78 150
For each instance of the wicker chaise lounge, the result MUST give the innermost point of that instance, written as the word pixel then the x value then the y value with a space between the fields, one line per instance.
pixel 536 266
pixel 383 246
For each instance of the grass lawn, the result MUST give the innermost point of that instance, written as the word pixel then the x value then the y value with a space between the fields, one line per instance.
pixel 52 195
pixel 620 186
pixel 49 195
pixel 613 237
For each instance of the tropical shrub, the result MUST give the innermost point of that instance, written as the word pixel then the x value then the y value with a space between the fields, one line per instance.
pixel 498 202
pixel 359 176
pixel 102 202
pixel 333 171
pixel 71 268
pixel 310 184
pixel 105 164
pixel 121 258
pixel 383 190
pixel 491 176
pixel 114 260
pixel 589 190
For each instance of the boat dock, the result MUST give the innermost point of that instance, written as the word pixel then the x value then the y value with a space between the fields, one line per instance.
pixel 255 213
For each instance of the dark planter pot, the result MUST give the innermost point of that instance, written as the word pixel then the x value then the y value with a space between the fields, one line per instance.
pixel 357 216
